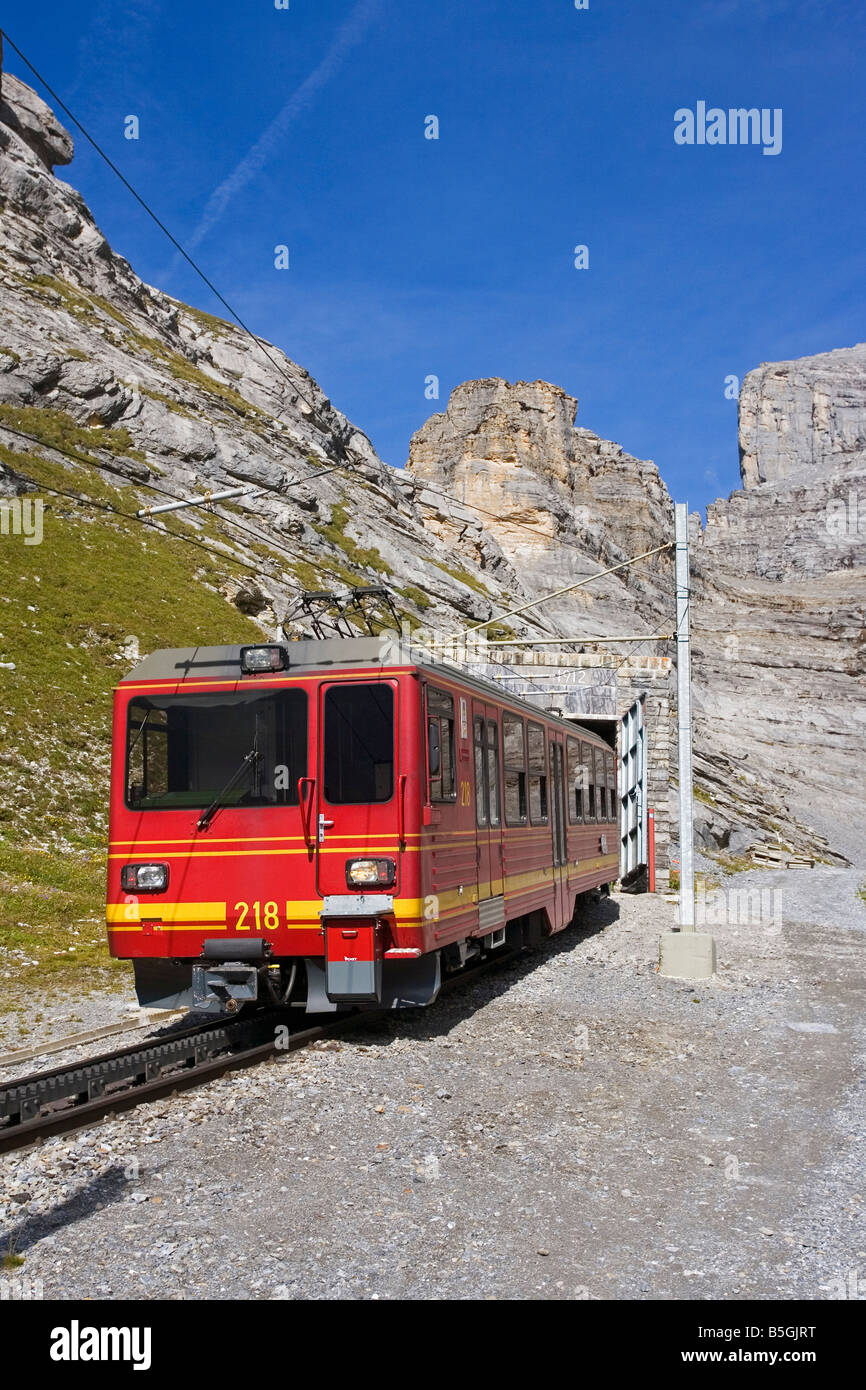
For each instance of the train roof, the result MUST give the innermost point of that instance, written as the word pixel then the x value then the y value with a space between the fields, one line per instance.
pixel 327 655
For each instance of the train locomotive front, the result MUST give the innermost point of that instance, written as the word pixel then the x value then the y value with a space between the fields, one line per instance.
pixel 323 823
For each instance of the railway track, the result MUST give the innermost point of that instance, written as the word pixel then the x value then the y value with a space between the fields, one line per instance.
pixel 53 1102
pixel 90 1035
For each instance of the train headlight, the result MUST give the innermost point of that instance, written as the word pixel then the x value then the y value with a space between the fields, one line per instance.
pixel 370 873
pixel 144 878
pixel 258 660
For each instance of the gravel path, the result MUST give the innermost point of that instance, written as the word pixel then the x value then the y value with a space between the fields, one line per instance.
pixel 571 1126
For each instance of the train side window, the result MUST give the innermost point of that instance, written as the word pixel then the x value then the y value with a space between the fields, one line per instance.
pixel 537 775
pixel 147 761
pixel 586 754
pixel 576 784
pixel 493 772
pixel 514 758
pixel 611 785
pixel 440 746
pixel 480 772
pixel 601 784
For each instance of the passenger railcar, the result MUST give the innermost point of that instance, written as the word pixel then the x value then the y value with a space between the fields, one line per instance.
pixel 333 824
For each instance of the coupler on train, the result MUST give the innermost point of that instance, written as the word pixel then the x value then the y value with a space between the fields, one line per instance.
pixel 357 970
pixel 214 985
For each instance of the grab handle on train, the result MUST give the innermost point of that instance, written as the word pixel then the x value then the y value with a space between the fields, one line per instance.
pixel 401 809
pixel 305 801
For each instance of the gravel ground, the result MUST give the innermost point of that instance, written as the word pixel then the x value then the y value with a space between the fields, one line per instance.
pixel 570 1126
pixel 66 1013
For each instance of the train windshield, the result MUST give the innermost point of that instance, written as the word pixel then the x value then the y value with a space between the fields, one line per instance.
pixel 190 750
pixel 358 758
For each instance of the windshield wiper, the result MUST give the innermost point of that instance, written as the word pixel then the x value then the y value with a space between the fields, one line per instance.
pixel 207 816
pixel 141 727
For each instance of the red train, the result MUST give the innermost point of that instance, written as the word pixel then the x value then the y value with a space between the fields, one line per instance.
pixel 328 822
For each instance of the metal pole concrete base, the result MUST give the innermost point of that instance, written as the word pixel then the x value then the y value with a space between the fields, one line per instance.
pixel 687 955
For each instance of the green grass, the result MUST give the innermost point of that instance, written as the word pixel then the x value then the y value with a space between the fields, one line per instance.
pixel 308 576
pixel 75 300
pixel 733 863
pixel 183 370
pixel 416 596
pixel 701 795
pixel 52 919
pixel 66 606
pixel 169 401
pixel 49 473
pixel 210 321
pixel 326 573
pixel 463 575
pixel 364 557
pixel 58 430
pixel 10 352
pixel 499 632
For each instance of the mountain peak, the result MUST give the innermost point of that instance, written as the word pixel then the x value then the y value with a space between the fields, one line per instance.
pixel 32 122
pixel 808 415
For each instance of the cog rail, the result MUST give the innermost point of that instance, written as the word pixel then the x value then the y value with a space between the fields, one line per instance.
pixel 52 1102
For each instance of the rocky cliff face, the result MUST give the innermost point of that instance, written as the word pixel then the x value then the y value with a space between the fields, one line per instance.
pixel 560 502
pixel 161 393
pixel 111 394
pixel 803 418
pixel 780 603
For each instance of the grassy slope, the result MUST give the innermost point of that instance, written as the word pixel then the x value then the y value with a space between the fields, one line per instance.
pixel 66 608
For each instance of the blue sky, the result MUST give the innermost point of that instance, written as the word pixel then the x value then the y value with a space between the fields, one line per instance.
pixel 409 257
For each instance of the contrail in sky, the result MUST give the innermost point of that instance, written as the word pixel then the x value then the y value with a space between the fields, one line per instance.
pixel 348 35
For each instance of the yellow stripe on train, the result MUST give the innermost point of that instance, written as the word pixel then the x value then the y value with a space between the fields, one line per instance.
pixel 213 916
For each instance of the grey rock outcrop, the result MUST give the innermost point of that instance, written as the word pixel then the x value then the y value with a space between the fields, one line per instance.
pixel 780 601
pixel 803 417
pixel 27 115
pixel 560 502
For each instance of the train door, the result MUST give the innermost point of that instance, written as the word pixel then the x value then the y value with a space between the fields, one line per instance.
pixel 494 803
pixel 488 806
pixel 355 812
pixel 559 831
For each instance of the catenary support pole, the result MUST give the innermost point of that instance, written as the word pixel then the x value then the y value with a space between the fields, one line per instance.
pixel 685 953
pixel 684 723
